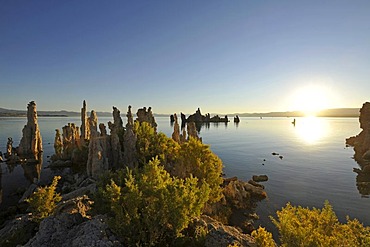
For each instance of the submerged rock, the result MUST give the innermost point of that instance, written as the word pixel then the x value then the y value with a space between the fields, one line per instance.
pixel 260 178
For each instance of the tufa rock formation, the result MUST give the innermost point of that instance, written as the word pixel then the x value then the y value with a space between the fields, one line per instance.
pixel 192 131
pixel 58 144
pixel 71 140
pixel 197 117
pixel 31 142
pixel 85 131
pixel 146 116
pixel 9 148
pixel 176 130
pixel 129 142
pixel 97 162
pixel 361 144
pixel 116 131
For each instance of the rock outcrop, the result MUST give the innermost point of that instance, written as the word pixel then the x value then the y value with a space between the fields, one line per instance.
pixel 144 115
pixel 192 131
pixel 361 144
pixel 71 140
pixel 85 131
pixel 73 230
pixel 176 129
pixel 9 148
pixel 97 162
pixel 58 144
pixel 129 142
pixel 197 117
pixel 31 142
pixel 116 138
pixel 237 207
pixel 220 235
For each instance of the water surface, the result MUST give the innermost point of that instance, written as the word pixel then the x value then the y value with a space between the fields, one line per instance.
pixel 315 165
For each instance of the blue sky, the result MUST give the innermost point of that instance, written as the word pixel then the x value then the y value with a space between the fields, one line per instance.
pixel 222 56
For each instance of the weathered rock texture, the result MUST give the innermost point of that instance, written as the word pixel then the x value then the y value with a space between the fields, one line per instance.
pixel 73 230
pixel 31 142
pixel 129 142
pixel 237 207
pixel 220 235
pixel 17 231
pixel 85 131
pixel 71 140
pixel 361 144
pixel 192 131
pixel 97 162
pixel 146 116
pixel 9 148
pixel 176 129
pixel 58 144
pixel 116 138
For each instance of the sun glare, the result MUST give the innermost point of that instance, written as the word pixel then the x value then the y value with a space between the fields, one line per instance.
pixel 311 129
pixel 310 99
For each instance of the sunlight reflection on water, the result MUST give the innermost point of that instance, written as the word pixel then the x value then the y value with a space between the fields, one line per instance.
pixel 311 130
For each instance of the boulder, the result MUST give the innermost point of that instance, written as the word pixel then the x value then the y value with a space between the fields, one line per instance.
pixel 73 230
pixel 220 235
pixel 18 231
pixel 260 178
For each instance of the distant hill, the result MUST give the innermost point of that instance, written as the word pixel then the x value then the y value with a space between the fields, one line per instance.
pixel 338 112
pixel 19 113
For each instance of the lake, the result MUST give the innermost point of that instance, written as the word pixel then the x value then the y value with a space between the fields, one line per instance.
pixel 315 166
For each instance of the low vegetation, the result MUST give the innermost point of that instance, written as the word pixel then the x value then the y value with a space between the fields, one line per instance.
pixel 300 226
pixel 153 208
pixel 43 202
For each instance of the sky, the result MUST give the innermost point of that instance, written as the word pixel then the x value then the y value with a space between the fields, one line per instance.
pixel 222 56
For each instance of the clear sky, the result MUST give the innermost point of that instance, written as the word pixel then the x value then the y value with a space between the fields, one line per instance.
pixel 222 56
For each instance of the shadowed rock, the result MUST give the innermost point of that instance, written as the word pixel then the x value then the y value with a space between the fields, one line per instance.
pixel 176 129
pixel 31 142
pixel 129 142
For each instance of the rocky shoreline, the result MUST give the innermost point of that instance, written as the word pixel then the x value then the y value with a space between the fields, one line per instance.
pixel 90 148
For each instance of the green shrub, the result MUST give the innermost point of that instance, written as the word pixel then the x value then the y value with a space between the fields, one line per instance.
pixel 317 227
pixel 43 202
pixel 152 208
pixel 151 144
pixel 263 238
pixel 196 159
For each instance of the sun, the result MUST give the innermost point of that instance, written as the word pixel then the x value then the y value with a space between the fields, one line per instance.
pixel 310 99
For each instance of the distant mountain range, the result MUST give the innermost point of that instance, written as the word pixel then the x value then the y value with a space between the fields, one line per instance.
pixel 338 112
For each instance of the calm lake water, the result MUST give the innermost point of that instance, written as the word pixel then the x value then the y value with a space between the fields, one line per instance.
pixel 316 166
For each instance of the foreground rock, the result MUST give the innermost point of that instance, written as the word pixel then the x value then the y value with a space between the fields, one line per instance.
pixel 220 235
pixel 237 208
pixel 73 230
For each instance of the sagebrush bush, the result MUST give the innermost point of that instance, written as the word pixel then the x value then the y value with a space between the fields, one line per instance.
pixel 152 208
pixel 303 227
pixel 197 159
pixel 263 238
pixel 43 202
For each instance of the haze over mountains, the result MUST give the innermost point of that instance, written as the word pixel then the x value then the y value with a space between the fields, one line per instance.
pixel 337 112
